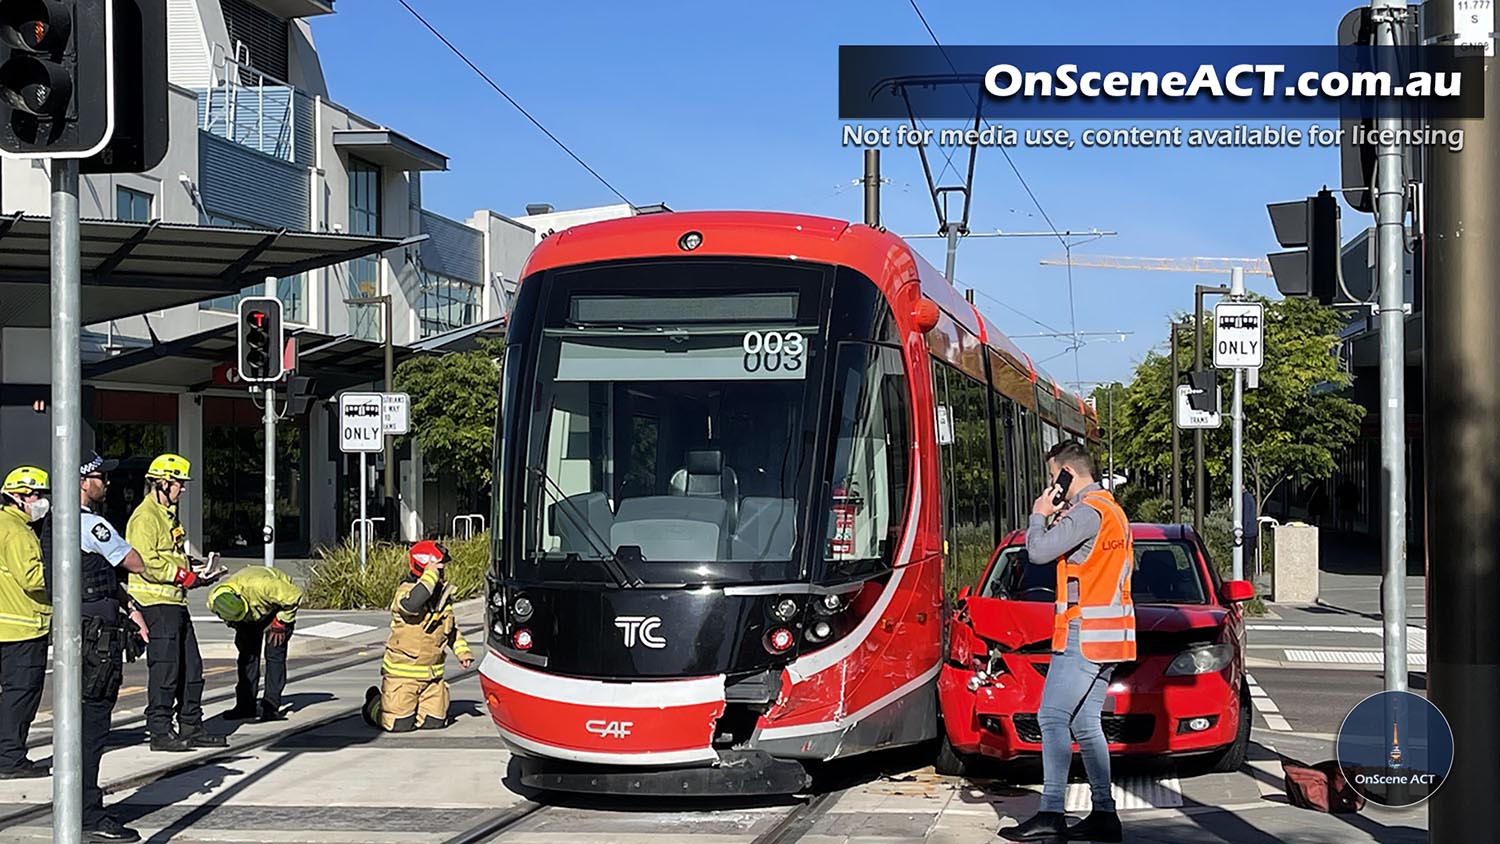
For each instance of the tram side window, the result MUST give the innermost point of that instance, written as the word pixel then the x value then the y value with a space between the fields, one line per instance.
pixel 972 459
pixel 871 459
pixel 1004 508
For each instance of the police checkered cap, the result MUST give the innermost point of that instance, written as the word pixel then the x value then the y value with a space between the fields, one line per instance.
pixel 94 463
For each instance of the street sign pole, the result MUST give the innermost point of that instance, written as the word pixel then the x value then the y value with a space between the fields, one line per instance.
pixel 67 571
pixel 364 521
pixel 1237 476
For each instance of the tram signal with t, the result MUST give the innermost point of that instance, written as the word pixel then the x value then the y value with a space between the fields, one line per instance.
pixel 56 91
pixel 260 340
pixel 1312 225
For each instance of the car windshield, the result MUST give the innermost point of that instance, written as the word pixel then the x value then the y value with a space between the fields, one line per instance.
pixel 1165 572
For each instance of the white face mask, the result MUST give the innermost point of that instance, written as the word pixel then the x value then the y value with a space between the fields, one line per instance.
pixel 39 509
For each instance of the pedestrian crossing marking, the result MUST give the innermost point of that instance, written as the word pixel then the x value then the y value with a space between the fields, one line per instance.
pixel 1348 657
pixel 335 630
pixel 1138 792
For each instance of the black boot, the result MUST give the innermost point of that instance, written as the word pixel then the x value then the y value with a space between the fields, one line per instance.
pixel 27 770
pixel 171 743
pixel 270 713
pixel 109 829
pixel 1098 826
pixel 199 737
pixel 242 713
pixel 1043 826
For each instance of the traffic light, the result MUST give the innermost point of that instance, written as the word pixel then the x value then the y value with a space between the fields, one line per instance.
pixel 260 339
pixel 1311 225
pixel 141 132
pixel 56 92
pixel 1203 391
pixel 1357 160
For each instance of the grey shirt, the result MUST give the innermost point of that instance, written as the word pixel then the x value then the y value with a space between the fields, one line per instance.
pixel 1071 535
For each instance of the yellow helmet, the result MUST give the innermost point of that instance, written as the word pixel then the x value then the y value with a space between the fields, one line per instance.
pixel 26 479
pixel 170 467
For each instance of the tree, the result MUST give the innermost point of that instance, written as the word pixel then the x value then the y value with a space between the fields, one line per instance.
pixel 453 403
pixel 1296 422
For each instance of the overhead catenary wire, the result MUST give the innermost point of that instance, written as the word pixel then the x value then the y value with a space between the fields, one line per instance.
pixel 508 98
pixel 1022 179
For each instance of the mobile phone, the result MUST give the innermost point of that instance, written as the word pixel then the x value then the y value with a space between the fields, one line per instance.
pixel 1064 480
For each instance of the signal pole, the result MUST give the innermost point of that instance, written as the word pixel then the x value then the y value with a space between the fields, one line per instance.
pixel 1237 474
pixel 1390 233
pixel 1461 383
pixel 1200 474
pixel 67 574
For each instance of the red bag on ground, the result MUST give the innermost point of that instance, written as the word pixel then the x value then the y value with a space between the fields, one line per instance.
pixel 1321 787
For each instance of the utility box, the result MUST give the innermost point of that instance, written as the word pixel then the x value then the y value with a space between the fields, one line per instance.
pixel 1294 578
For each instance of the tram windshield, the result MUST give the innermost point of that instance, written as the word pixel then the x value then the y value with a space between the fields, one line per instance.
pixel 671 425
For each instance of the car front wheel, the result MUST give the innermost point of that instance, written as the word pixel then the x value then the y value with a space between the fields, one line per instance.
pixel 1232 758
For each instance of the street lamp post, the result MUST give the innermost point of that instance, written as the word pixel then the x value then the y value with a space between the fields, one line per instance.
pixel 390 463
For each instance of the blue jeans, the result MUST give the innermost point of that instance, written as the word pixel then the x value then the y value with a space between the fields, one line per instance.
pixel 1072 699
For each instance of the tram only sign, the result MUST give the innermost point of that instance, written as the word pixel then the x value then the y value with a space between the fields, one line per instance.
pixel 361 422
pixel 1239 335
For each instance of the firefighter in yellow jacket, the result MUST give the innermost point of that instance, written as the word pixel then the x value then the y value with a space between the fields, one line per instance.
pixel 25 617
pixel 260 605
pixel 412 693
pixel 174 685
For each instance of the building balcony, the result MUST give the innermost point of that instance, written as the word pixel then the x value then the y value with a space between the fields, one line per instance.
pixel 260 112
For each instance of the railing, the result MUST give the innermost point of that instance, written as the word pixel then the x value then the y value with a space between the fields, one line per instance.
pixel 354 525
pixel 463 526
pixel 239 91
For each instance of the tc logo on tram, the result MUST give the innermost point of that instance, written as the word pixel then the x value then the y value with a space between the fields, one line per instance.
pixel 640 628
pixel 609 729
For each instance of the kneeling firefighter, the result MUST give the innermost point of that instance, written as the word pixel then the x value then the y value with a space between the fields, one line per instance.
pixel 412 694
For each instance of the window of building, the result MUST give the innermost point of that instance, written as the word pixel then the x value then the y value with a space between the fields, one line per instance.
pixel 132 206
pixel 364 273
pixel 292 291
pixel 446 304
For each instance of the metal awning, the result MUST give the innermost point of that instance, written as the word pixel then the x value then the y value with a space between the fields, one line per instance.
pixel 462 339
pixel 289 9
pixel 389 149
pixel 334 363
pixel 132 268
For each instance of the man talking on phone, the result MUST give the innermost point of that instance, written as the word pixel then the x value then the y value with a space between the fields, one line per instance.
pixel 1077 524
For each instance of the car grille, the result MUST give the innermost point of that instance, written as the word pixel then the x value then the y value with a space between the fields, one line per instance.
pixel 1118 729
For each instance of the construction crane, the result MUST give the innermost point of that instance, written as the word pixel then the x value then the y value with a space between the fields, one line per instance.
pixel 1251 266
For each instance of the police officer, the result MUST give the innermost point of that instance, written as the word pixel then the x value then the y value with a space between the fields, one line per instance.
pixel 25 616
pixel 412 693
pixel 259 604
pixel 175 666
pixel 106 632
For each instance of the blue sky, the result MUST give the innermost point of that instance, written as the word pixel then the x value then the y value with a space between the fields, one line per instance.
pixel 710 105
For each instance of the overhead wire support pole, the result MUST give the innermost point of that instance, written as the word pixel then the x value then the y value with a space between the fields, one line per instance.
pixel 1390 256
pixel 1200 474
pixel 67 551
pixel 872 188
pixel 1172 417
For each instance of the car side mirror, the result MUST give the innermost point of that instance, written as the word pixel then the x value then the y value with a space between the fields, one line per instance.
pixel 1235 591
pixel 964 593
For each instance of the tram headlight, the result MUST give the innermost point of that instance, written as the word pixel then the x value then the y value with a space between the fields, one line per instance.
pixel 521 609
pixel 690 241
pixel 784 610
pixel 820 631
pixel 830 604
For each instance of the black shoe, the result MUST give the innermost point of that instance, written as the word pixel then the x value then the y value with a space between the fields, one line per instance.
pixel 110 829
pixel 1043 826
pixel 171 743
pixel 270 713
pixel 26 771
pixel 241 713
pixel 203 738
pixel 1098 826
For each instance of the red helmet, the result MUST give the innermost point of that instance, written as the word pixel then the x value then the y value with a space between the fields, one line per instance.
pixel 424 554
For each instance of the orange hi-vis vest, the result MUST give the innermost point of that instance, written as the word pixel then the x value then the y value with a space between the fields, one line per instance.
pixel 1105 613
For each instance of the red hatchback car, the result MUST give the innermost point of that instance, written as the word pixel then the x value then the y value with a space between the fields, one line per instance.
pixel 1184 694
